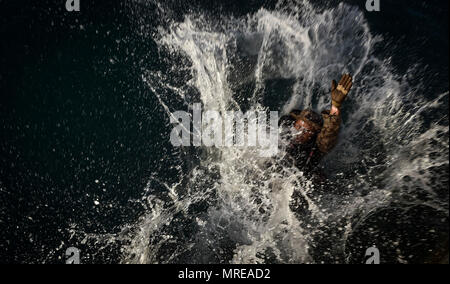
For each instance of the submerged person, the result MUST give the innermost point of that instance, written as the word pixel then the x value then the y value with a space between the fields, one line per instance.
pixel 311 135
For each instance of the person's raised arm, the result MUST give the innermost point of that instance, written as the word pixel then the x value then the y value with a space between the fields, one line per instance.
pixel 328 136
pixel 339 93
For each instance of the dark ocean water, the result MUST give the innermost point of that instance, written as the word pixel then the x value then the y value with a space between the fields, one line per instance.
pixel 81 133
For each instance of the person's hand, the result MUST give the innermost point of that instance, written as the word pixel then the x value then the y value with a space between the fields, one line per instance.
pixel 339 91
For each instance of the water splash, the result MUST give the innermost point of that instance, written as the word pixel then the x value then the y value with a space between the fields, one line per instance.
pixel 232 206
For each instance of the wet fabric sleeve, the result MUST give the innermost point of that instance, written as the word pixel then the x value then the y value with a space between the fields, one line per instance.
pixel 328 136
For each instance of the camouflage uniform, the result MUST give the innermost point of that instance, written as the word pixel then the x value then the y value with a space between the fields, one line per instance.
pixel 328 136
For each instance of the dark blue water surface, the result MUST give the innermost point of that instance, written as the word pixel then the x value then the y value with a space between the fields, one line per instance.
pixel 78 125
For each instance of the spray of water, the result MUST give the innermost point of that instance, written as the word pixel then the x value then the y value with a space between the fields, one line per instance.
pixel 234 206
